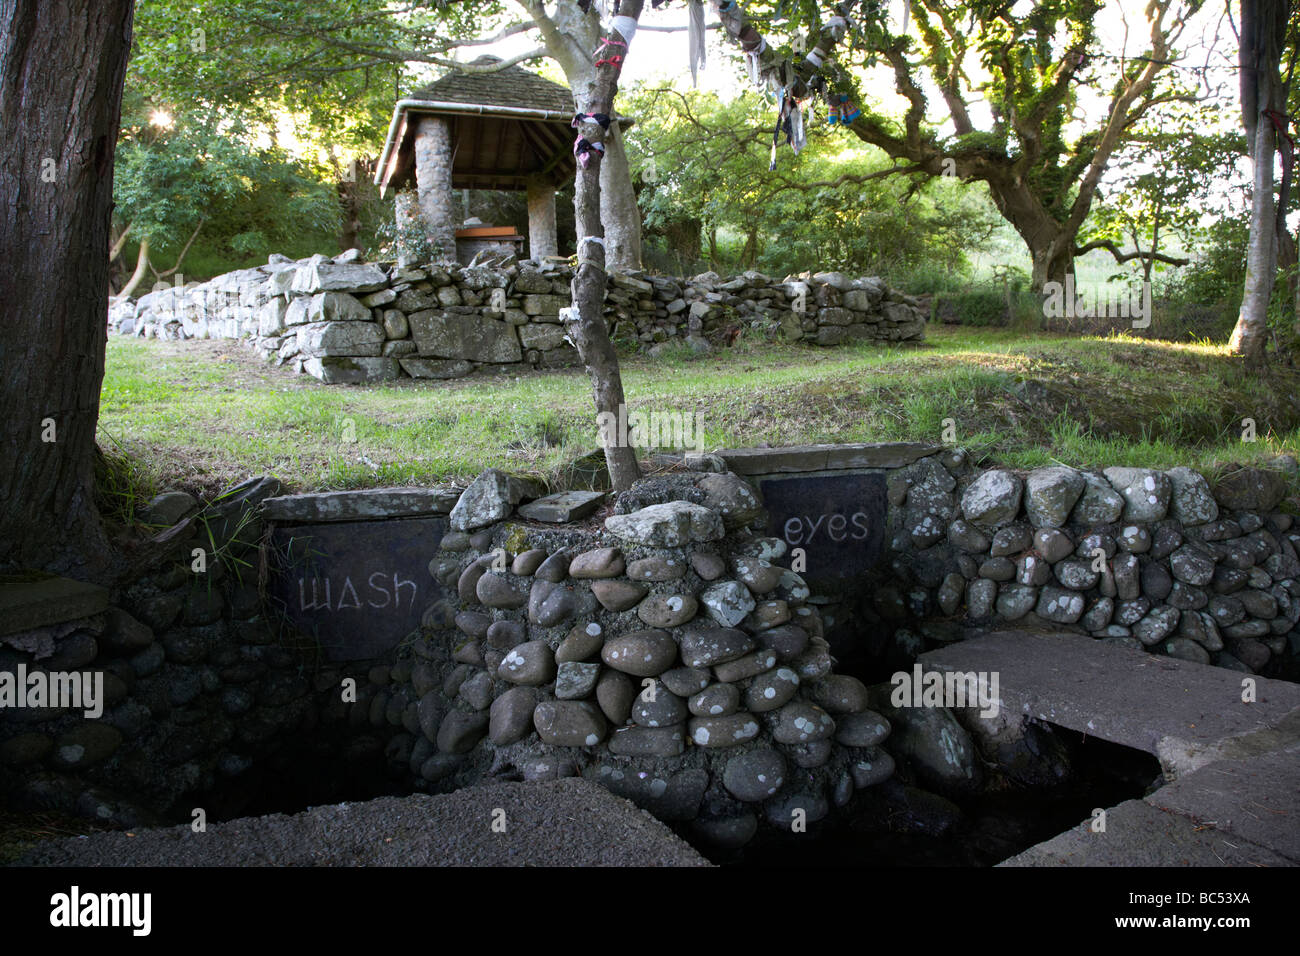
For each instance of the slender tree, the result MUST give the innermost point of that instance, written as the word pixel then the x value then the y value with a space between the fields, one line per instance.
pixel 1263 104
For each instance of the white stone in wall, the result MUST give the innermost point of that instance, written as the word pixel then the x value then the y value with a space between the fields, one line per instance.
pixel 336 307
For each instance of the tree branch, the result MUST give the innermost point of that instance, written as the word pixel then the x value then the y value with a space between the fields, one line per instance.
pixel 1122 257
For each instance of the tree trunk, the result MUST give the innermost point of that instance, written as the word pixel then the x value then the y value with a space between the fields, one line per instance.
pixel 1263 24
pixel 61 72
pixel 585 320
pixel 141 268
pixel 576 35
pixel 1050 250
pixel 618 207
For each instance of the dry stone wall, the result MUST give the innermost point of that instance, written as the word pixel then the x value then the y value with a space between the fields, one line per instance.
pixel 1168 560
pixel 346 321
pixel 663 648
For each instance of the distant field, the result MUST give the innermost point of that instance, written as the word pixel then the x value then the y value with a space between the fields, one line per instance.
pixel 201 415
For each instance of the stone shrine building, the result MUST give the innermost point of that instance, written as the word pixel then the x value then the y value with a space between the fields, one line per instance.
pixel 506 130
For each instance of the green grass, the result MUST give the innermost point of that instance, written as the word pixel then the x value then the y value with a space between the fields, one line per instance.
pixel 201 415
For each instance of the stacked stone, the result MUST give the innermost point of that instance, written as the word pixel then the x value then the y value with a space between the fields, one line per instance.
pixel 197 689
pixel 667 658
pixel 341 320
pixel 1149 559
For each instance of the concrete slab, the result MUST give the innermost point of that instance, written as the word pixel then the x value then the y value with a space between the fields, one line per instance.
pixel 1138 834
pixel 570 822
pixel 1254 799
pixel 363 505
pixel 25 605
pixel 810 458
pixel 1177 710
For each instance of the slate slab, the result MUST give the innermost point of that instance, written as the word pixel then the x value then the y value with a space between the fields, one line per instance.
pixel 562 506
pixel 361 505
pixel 838 521
pixel 357 587
pixel 25 605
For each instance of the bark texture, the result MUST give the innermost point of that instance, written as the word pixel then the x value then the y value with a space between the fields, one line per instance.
pixel 61 73
pixel 585 321
pixel 1263 26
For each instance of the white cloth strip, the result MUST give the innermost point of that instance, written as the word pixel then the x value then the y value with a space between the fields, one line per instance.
pixel 626 27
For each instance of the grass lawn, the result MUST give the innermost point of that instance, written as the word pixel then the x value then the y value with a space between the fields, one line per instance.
pixel 201 415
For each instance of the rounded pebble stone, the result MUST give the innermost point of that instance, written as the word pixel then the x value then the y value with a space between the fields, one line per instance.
pixel 461 730
pixel 800 722
pixel 771 690
pixel 685 681
pixel 742 668
pixel 645 653
pixel 511 716
pixel 527 562
pixel 569 723
pixel 864 729
pixel 618 595
pixel 664 710
pixel 656 569
pixel 531 663
pixel 714 645
pixel 667 610
pixel 718 700
pixel 583 642
pixel 840 694
pixel 754 776
pixel 598 563
pixel 788 640
pixel 614 693
pixel 707 566
pixel 873 767
pixel 715 732
pixel 503 635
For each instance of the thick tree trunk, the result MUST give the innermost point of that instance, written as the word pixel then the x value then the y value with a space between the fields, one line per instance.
pixel 585 321
pixel 1051 250
pixel 1263 24
pixel 61 72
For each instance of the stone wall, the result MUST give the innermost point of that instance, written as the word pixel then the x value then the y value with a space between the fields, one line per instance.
pixel 1168 561
pixel 664 649
pixel 347 321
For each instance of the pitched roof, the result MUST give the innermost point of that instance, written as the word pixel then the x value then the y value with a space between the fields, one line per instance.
pixel 512 86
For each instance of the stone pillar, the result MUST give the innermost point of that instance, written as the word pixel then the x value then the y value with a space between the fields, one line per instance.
pixel 433 175
pixel 411 234
pixel 543 238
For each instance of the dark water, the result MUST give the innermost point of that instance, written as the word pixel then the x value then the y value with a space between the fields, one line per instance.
pixel 897 825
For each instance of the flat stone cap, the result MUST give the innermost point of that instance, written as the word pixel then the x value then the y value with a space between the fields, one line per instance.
pixel 26 605
pixel 800 458
pixel 363 505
